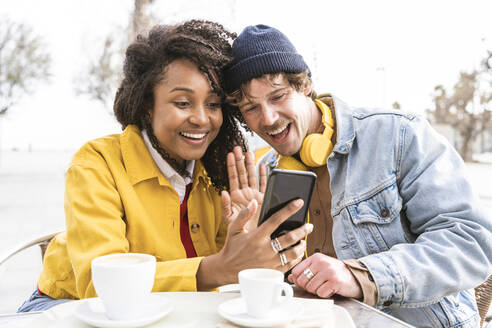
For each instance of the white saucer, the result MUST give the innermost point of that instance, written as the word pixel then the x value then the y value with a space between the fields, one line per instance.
pixel 235 311
pixel 91 311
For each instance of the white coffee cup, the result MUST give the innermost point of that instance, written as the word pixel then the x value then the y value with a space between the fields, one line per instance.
pixel 261 290
pixel 123 281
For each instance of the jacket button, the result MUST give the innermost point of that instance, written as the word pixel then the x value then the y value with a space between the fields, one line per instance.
pixel 316 212
pixel 195 227
pixel 387 303
pixel 317 250
pixel 384 213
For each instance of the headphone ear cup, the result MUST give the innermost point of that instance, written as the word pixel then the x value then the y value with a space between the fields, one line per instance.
pixel 315 150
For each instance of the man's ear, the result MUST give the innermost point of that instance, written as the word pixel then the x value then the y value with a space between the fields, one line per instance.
pixel 308 89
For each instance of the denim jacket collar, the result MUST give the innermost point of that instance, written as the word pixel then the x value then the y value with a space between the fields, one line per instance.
pixel 344 127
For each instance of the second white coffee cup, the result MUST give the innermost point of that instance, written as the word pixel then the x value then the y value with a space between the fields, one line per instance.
pixel 262 290
pixel 123 282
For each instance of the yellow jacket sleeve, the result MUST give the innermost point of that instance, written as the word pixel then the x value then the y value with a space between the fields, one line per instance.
pixel 94 219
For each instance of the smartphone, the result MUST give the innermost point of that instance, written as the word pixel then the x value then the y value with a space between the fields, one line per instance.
pixel 284 186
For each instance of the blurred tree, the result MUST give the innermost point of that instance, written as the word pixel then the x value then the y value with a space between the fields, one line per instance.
pixel 101 77
pixel 23 61
pixel 488 61
pixel 396 105
pixel 141 18
pixel 468 108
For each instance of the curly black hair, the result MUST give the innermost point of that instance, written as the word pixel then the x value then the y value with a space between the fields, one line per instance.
pixel 205 43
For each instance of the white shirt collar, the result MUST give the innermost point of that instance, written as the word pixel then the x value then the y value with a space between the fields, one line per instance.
pixel 177 181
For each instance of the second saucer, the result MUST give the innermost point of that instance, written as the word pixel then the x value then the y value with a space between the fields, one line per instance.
pixel 234 310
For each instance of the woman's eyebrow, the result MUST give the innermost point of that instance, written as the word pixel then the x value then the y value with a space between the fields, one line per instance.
pixel 211 92
pixel 181 89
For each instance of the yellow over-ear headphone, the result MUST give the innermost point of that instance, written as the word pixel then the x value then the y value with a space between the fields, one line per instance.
pixel 316 147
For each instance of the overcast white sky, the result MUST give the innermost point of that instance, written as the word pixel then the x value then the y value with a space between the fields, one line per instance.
pixel 369 53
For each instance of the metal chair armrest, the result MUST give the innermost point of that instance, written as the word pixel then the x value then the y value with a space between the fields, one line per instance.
pixel 42 241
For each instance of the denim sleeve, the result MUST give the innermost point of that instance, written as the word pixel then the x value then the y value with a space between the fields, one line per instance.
pixel 453 248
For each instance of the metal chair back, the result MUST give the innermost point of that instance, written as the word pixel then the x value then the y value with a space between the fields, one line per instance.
pixel 483 296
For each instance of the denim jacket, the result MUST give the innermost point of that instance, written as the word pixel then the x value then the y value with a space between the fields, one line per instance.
pixel 402 206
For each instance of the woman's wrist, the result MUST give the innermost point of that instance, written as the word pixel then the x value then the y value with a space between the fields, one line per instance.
pixel 212 273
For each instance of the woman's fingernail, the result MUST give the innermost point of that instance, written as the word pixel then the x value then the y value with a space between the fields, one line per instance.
pixel 309 227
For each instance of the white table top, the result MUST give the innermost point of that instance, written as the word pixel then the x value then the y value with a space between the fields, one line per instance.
pixel 199 309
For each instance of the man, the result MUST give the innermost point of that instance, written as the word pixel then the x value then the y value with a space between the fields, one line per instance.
pixel 395 221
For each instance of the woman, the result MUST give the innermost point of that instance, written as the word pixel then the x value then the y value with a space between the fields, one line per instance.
pixel 154 188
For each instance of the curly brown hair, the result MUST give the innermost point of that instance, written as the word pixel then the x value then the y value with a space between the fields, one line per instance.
pixel 205 43
pixel 298 81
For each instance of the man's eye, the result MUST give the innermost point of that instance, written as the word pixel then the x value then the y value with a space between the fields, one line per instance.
pixel 278 97
pixel 181 104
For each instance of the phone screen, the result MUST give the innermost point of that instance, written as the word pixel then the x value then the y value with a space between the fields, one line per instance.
pixel 284 186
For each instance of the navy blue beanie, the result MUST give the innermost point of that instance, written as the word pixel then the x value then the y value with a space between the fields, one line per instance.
pixel 260 50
